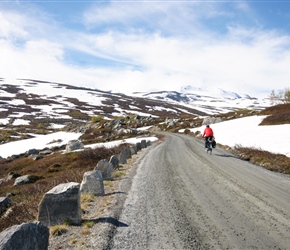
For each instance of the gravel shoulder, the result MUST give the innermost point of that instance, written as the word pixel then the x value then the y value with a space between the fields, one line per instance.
pixel 103 211
pixel 175 196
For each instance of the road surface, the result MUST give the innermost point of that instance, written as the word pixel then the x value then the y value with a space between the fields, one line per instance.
pixel 183 198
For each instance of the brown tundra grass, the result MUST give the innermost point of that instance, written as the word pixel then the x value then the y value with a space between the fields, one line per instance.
pixel 51 170
pixel 273 162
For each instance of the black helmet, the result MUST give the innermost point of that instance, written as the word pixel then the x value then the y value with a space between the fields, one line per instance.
pixel 207 125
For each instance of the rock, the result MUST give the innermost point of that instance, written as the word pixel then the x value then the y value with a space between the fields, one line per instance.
pixel 114 160
pixel 27 236
pixel 4 204
pixel 106 169
pixel 197 133
pixel 133 150
pixel 171 124
pixel 14 157
pixel 127 152
pixel 25 179
pixel 74 145
pixel 143 144
pixel 12 175
pixel 61 204
pixel 138 146
pixel 211 120
pixel 46 152
pixel 123 157
pixel 32 151
pixel 93 183
pixel 134 131
pixel 36 157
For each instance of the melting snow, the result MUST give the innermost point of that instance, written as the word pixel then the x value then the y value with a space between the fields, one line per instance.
pixel 247 132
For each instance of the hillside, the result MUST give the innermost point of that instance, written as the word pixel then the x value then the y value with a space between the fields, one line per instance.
pixel 26 112
pixel 38 107
pixel 278 114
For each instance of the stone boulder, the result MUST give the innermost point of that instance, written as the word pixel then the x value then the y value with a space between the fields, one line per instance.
pixel 61 204
pixel 4 204
pixel 143 144
pixel 74 145
pixel 114 160
pixel 211 120
pixel 123 157
pixel 27 236
pixel 32 151
pixel 10 176
pixel 25 179
pixel 128 153
pixel 138 146
pixel 93 183
pixel 170 124
pixel 106 169
pixel 133 149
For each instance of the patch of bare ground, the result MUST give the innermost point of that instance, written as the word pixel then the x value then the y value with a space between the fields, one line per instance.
pixel 277 115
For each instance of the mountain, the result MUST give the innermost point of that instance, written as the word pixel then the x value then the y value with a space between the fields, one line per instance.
pixel 217 93
pixel 210 101
pixel 36 103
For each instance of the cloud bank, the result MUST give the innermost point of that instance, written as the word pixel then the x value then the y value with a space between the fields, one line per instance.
pixel 144 45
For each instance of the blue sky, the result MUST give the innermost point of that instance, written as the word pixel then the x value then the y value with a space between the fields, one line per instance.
pixel 126 46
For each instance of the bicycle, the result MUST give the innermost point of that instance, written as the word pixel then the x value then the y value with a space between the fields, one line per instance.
pixel 210 144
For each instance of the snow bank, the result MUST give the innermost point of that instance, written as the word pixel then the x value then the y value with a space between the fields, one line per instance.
pixel 39 142
pixel 246 132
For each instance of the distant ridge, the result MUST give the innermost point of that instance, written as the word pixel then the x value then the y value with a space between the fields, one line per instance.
pixel 31 101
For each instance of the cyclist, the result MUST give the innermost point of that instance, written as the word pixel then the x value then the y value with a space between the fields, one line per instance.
pixel 207 134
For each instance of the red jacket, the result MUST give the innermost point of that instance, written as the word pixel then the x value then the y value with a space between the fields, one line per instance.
pixel 207 132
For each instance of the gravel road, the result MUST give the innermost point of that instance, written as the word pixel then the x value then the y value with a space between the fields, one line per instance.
pixel 183 198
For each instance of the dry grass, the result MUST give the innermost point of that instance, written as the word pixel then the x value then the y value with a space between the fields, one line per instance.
pixel 119 174
pixel 50 171
pixel 86 199
pixel 278 114
pixel 58 230
pixel 273 162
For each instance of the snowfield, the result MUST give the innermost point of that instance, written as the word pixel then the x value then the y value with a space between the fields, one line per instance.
pixel 57 139
pixel 247 133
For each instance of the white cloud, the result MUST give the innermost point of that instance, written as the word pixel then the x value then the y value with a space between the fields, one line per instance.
pixel 9 26
pixel 167 51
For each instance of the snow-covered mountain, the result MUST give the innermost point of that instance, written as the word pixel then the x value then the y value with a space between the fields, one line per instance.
pixel 210 101
pixel 217 93
pixel 30 101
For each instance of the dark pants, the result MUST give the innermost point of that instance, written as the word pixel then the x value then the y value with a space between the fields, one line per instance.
pixel 206 140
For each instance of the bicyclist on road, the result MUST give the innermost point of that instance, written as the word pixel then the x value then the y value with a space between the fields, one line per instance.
pixel 208 133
